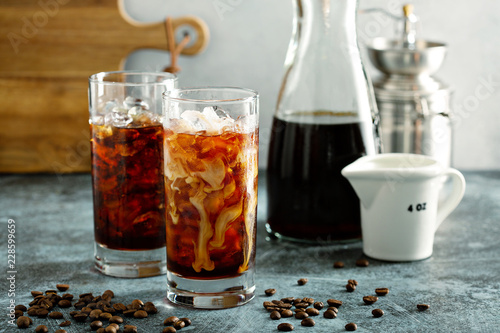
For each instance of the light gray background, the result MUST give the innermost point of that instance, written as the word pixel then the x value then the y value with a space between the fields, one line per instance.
pixel 249 40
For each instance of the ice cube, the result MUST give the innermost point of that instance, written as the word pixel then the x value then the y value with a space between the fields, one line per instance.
pixel 131 102
pixel 118 119
pixel 134 111
pixel 109 106
pixel 193 121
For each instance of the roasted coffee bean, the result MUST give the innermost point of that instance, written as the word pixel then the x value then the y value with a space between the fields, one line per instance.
pixel 109 292
pixel 94 314
pixel 116 319
pixel 377 313
pixel 55 315
pixel 179 324
pixel 268 303
pixel 20 307
pixel 62 287
pixel 24 322
pixel 65 323
pixel 299 310
pixel 338 264
pixel 309 300
pixel 350 287
pixel 169 329
pixel 46 304
pixel 170 321
pixel 18 313
pixel 329 314
pixel 61 331
pixel 85 295
pixel 108 309
pixel 69 297
pixel 74 313
pixel 276 301
pixel 78 305
pixel 423 307
pixel 137 304
pixel 382 291
pixel 50 291
pixel 86 310
pixel 285 327
pixel 105 316
pixel 42 313
pixel 270 292
pixel 308 322
pixel 119 307
pixel 302 305
pixel 318 305
pixel 351 327
pixel 275 315
pixel 150 308
pixel 41 329
pixel 36 293
pixel 92 305
pixel 186 321
pixel 110 329
pixel 32 311
pixel 297 300
pixel 288 299
pixel 95 325
pixel 115 325
pixel 334 302
pixel 370 299
pixel 102 304
pixel 81 317
pixel 287 313
pixel 334 309
pixel 362 263
pixel 302 281
pixel 128 313
pixel 352 281
pixel 101 330
pixel 140 314
pixel 301 315
pixel 312 311
pixel 129 329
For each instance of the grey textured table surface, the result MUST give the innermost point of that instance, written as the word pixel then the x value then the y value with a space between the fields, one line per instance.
pixel 460 282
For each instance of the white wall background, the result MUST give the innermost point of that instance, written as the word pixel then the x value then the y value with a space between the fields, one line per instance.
pixel 249 39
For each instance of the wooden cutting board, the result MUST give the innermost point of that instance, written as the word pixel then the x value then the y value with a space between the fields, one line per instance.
pixel 48 49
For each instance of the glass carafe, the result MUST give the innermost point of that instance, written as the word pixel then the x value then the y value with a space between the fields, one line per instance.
pixel 325 118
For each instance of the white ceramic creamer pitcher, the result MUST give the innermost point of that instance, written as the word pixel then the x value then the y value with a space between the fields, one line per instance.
pixel 399 203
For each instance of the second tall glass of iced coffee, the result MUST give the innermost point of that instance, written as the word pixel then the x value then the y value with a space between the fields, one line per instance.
pixel 211 167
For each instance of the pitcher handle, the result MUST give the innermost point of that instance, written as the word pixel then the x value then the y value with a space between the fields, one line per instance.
pixel 457 193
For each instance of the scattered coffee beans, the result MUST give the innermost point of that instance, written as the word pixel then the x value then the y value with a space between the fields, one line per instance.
pixel 318 305
pixel 55 315
pixel 179 324
pixel 36 293
pixel 21 307
pixel 351 327
pixel 382 291
pixel 287 313
pixel 302 281
pixel 312 311
pixel 370 299
pixel 334 309
pixel 423 307
pixel 62 287
pixel 133 329
pixel 377 313
pixel 352 281
pixel 65 323
pixel 61 331
pixel 169 329
pixel 95 325
pixel 24 322
pixel 270 291
pixel 140 314
pixel 329 314
pixel 301 315
pixel 170 321
pixel 308 322
pixel 285 327
pixel 338 264
pixel 334 302
pixel 41 329
pixel 350 287
pixel 275 315
pixel 362 263
pixel 116 320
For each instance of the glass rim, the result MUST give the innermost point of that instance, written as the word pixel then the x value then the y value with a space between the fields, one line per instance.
pixel 98 78
pixel 251 95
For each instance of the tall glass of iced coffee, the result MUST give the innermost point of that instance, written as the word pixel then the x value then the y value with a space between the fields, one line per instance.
pixel 127 171
pixel 211 168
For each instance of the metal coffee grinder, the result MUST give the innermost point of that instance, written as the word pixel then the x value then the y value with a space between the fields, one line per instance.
pixel 414 106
